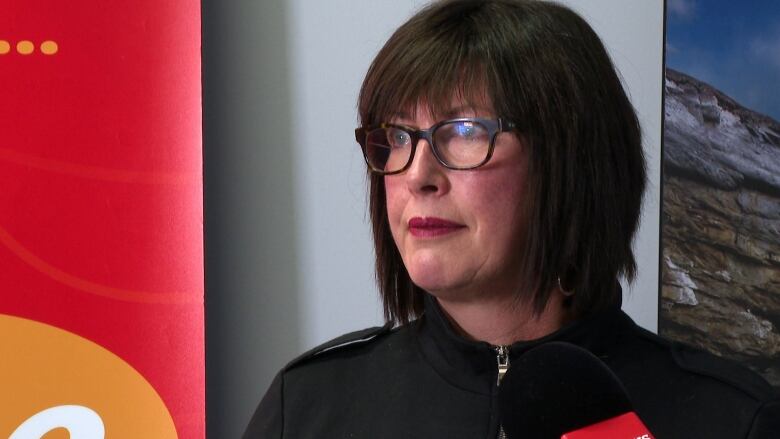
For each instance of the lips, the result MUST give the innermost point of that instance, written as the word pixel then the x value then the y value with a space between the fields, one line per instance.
pixel 432 227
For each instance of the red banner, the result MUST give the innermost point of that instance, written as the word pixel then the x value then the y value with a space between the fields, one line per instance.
pixel 101 219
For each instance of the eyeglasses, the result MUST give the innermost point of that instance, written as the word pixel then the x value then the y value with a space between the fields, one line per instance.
pixel 464 143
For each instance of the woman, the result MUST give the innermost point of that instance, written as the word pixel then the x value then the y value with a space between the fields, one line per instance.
pixel 506 179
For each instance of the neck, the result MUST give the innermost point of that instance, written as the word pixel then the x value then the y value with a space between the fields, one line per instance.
pixel 504 320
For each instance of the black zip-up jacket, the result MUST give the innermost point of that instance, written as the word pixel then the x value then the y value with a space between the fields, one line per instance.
pixel 424 381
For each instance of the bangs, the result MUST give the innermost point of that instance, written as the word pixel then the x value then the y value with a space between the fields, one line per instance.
pixel 427 68
pixel 437 91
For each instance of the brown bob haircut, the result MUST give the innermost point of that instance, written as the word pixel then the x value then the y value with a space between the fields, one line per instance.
pixel 543 68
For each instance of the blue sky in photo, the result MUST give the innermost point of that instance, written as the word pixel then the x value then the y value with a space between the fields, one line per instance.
pixel 733 46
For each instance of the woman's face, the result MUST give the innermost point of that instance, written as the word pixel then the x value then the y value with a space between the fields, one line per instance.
pixel 459 232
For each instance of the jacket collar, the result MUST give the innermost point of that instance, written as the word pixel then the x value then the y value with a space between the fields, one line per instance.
pixel 473 365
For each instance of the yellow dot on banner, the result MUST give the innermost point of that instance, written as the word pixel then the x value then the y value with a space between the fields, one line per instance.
pixel 4 47
pixel 25 47
pixel 49 47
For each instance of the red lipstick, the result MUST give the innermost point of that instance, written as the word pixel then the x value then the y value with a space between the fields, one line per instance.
pixel 432 227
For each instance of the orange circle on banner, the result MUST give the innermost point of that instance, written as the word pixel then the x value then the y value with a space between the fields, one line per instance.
pixel 49 47
pixel 4 47
pixel 25 47
pixel 47 371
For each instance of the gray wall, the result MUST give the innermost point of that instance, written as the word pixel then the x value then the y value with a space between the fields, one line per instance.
pixel 252 318
pixel 289 261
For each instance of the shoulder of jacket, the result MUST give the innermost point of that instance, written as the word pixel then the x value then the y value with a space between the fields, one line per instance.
pixel 725 371
pixel 346 341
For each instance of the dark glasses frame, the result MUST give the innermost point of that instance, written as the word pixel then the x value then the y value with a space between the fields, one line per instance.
pixel 493 126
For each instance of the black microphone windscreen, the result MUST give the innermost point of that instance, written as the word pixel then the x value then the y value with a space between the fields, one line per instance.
pixel 556 388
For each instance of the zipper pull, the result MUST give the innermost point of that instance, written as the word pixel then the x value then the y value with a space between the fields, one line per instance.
pixel 502 357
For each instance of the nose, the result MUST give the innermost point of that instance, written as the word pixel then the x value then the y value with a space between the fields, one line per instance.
pixel 425 175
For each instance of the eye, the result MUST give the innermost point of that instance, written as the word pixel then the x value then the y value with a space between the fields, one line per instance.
pixel 398 138
pixel 466 129
pixel 464 133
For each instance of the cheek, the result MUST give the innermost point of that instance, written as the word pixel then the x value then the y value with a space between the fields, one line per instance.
pixel 495 196
pixel 498 188
pixel 496 202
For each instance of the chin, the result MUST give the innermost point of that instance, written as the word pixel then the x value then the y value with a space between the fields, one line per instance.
pixel 431 284
pixel 435 283
pixel 430 280
pixel 433 274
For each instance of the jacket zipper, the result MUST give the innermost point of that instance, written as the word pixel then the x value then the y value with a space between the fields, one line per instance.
pixel 502 358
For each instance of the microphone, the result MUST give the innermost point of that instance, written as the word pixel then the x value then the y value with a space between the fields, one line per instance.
pixel 561 391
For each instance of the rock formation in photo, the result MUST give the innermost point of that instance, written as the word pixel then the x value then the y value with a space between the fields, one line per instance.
pixel 721 226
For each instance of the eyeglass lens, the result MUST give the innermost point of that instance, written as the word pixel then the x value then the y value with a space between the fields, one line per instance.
pixel 459 144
